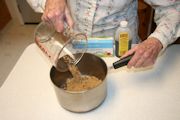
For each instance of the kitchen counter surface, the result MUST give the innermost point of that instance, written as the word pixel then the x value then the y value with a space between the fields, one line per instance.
pixel 153 94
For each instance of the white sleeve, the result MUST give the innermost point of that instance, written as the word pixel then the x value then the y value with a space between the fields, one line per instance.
pixel 37 5
pixel 167 18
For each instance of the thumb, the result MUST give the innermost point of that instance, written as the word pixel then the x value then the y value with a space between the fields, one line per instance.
pixel 68 17
pixel 131 51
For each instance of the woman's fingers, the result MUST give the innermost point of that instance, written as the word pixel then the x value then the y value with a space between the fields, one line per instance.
pixel 137 57
pixel 56 13
pixel 145 53
pixel 146 56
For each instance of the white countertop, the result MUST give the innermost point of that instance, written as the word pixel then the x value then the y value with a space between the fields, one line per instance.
pixel 154 94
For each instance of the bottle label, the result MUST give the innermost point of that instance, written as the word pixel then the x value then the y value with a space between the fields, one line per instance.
pixel 123 42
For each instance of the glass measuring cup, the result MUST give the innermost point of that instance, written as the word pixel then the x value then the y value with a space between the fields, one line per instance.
pixel 57 45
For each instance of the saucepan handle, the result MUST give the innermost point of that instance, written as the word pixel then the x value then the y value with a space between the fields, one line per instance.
pixel 122 62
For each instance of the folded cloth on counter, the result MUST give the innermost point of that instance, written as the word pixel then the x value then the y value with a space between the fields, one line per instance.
pixel 102 47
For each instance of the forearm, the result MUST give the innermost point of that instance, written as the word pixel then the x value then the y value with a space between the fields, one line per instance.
pixel 167 18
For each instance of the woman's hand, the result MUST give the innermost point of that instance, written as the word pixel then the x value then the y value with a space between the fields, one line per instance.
pixel 56 13
pixel 146 53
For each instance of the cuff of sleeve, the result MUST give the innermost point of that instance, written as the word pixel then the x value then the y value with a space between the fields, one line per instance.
pixel 41 6
pixel 38 6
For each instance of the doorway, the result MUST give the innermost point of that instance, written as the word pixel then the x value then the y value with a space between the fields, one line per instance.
pixel 4 14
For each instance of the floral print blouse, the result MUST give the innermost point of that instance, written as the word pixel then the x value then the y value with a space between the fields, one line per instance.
pixel 102 17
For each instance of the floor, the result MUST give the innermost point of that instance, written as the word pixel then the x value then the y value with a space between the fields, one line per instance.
pixel 14 38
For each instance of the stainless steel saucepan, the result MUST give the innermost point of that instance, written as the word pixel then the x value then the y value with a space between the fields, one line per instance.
pixel 83 101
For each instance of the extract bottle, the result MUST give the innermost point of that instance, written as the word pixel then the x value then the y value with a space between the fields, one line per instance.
pixel 123 39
